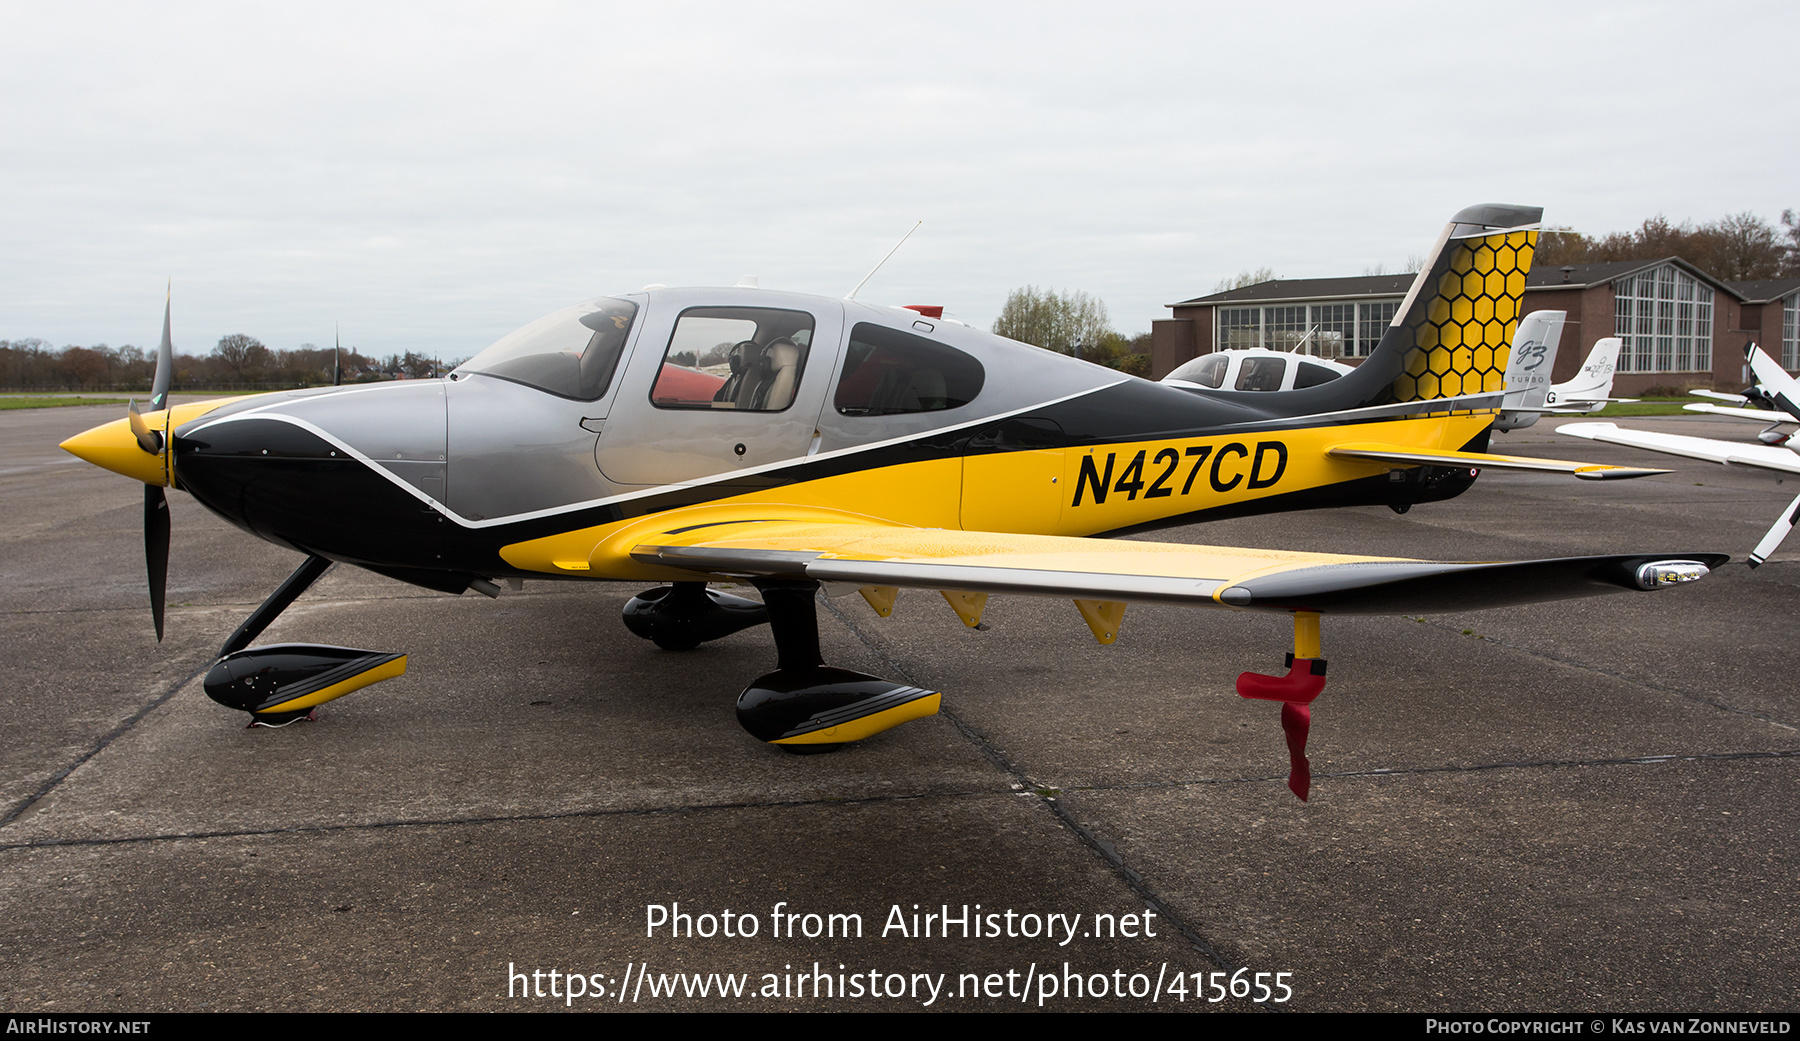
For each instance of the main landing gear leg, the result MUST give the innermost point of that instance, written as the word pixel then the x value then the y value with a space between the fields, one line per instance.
pixel 284 682
pixel 806 706
pixel 683 616
pixel 1304 681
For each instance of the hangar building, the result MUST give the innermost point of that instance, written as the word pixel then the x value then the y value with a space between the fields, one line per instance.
pixel 1680 325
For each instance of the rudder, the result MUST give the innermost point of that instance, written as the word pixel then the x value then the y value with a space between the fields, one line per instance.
pixel 1452 334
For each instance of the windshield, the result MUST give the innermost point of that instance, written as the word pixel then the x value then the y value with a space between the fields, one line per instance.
pixel 571 353
pixel 1208 370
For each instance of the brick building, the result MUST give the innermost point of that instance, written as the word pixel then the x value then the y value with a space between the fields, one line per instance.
pixel 1680 325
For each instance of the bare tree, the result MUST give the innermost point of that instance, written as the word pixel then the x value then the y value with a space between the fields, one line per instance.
pixel 1740 247
pixel 1056 321
pixel 244 355
pixel 1248 277
pixel 1790 249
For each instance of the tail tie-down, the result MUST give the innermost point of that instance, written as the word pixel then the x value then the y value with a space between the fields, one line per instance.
pixel 1304 681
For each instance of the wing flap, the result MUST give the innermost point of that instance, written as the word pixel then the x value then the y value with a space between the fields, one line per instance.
pixel 1389 453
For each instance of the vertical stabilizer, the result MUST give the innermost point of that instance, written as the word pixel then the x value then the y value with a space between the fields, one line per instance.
pixel 1450 336
pixel 1593 384
pixel 1529 362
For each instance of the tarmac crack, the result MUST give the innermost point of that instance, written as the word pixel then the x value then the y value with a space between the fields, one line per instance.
pixel 1047 797
pixel 1449 768
pixel 1700 699
pixel 1047 794
pixel 50 783
pixel 502 818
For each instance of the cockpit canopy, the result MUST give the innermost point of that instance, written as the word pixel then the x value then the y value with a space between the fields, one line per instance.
pixel 1254 369
pixel 571 353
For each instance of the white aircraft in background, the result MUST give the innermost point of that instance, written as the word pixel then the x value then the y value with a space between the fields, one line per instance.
pixel 1588 392
pixel 1256 368
pixel 1773 385
pixel 1529 393
pixel 1533 355
pixel 1762 410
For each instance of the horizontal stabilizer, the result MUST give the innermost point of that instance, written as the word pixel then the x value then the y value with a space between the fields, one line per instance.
pixel 1386 453
pixel 1577 407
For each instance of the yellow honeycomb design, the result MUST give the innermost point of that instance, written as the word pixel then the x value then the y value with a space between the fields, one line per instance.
pixel 1461 344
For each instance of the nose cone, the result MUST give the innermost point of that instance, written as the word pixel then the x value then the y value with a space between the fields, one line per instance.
pixel 112 446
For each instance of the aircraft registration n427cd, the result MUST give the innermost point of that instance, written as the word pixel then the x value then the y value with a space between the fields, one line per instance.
pixel 871 448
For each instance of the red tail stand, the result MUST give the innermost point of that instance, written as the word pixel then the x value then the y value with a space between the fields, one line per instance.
pixel 1304 682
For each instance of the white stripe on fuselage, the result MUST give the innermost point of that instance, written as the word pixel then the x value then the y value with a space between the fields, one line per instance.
pixel 264 412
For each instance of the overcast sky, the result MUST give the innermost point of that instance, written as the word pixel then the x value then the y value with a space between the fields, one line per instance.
pixel 433 175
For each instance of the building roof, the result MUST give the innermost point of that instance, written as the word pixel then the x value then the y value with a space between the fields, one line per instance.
pixel 1560 276
pixel 1580 276
pixel 1309 289
pixel 1761 292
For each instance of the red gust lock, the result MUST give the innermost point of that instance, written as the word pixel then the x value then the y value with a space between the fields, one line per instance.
pixel 1304 682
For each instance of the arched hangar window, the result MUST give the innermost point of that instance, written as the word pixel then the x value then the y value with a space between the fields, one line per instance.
pixel 888 373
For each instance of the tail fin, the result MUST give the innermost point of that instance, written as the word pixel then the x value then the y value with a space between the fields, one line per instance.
pixel 1451 335
pixel 1532 357
pixel 1594 381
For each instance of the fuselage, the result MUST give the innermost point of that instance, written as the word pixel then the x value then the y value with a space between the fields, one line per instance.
pixel 532 458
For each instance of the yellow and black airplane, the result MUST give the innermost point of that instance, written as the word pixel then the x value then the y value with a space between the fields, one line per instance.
pixel 683 436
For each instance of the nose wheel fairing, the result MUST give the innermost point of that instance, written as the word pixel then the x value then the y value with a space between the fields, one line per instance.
pixel 283 681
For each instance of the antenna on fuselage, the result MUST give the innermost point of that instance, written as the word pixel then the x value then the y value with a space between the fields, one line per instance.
pixel 1296 348
pixel 851 295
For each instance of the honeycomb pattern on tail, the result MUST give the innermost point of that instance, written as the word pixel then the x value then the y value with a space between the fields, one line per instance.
pixel 1461 338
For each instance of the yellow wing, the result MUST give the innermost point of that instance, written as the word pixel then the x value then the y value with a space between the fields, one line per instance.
pixel 872 554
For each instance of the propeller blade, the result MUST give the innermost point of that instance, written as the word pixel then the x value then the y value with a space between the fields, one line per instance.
pixel 156 550
pixel 149 440
pixel 165 364
pixel 1772 541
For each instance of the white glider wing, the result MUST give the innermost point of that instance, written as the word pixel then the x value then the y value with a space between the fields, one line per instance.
pixel 1756 415
pixel 1731 453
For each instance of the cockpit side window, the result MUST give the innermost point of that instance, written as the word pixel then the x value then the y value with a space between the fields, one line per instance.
pixel 1261 373
pixel 745 358
pixel 888 372
pixel 572 353
pixel 1311 375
